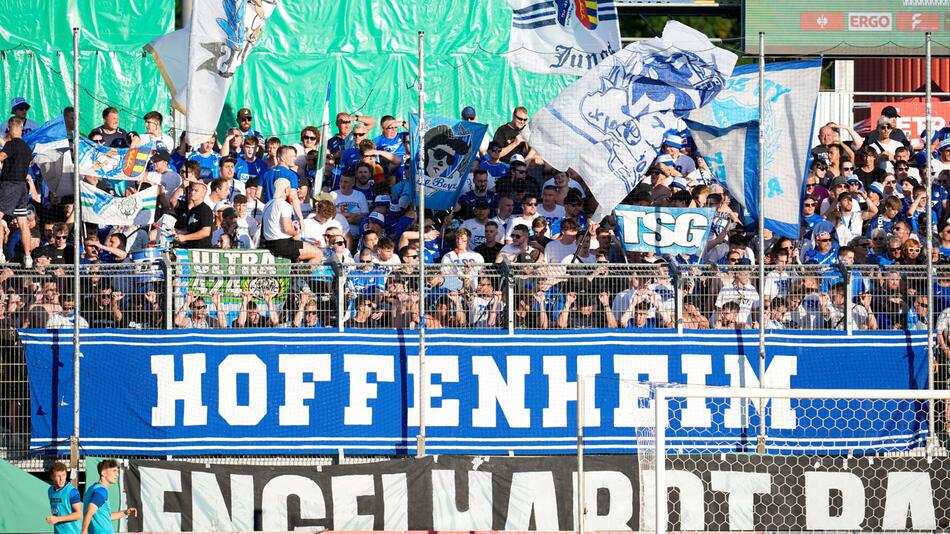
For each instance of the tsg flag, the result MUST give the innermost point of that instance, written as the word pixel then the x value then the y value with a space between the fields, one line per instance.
pixel 112 163
pixel 791 91
pixel 450 148
pixel 664 230
pixel 216 42
pixel 99 207
pixel 609 124
pixel 562 36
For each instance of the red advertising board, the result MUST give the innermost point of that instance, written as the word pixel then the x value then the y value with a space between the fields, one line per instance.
pixel 918 22
pixel 913 117
pixel 817 21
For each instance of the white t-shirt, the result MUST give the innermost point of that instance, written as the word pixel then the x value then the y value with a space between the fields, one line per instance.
pixel 477 230
pixel 158 143
pixel 170 180
pixel 556 252
pixel 521 219
pixel 313 230
pixel 250 226
pixel 355 202
pixel 557 212
pixel 274 211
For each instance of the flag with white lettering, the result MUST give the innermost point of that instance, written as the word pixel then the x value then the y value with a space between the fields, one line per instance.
pixel 609 124
pixel 664 230
pixel 99 207
pixel 562 36
pixel 450 145
pixel 721 133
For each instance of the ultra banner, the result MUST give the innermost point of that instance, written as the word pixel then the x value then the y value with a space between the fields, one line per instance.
pixel 726 492
pixel 278 391
pixel 664 230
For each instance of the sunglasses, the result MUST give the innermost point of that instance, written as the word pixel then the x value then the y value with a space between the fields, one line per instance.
pixel 308 138
pixel 98 140
pixel 521 118
pixel 847 168
pixel 517 236
pixel 245 119
pixel 809 204
pixel 825 240
pixel 810 185
pixel 60 237
pixel 359 134
pixel 202 307
pixel 339 243
pixel 530 203
pixel 898 249
pixel 884 128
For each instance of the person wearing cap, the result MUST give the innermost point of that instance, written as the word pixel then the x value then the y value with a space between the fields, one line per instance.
pixel 493 165
pixel 848 217
pixel 672 146
pixel 109 130
pixel 278 233
pixel 835 187
pixel 344 137
pixel 942 163
pixel 154 135
pixel 230 235
pixel 890 114
pixel 476 225
pixel 161 173
pixel 468 115
pixel 508 136
pixel 18 108
pixel 245 123
pixel 825 251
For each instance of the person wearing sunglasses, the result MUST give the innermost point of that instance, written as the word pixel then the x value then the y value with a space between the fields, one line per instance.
pixel 194 312
pixel 825 251
pixel 347 124
pixel 390 149
pixel 309 140
pixel 493 165
pixel 508 135
pixel 884 143
pixel 890 114
pixel 245 121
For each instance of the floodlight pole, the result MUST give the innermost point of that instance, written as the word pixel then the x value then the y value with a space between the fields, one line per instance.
pixel 760 442
pixel 932 440
pixel 421 224
pixel 77 240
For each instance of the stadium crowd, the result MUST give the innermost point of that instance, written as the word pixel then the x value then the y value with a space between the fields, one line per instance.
pixel 521 243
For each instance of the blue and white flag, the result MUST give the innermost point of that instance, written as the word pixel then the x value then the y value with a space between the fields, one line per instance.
pixel 609 124
pixel 99 207
pixel 48 141
pixel 724 134
pixel 110 163
pixel 562 36
pixel 451 145
pixel 664 230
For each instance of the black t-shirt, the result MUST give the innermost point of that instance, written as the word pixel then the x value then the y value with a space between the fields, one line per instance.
pixel 489 252
pixel 57 255
pixel 194 219
pixel 109 138
pixel 18 161
pixel 504 135
pixel 868 178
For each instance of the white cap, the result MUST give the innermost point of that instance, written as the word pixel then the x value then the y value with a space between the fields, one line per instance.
pixel 517 157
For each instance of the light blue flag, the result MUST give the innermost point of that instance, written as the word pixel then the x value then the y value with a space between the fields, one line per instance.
pixel 664 230
pixel 609 124
pixel 48 140
pixel 721 131
pixel 114 164
pixel 451 146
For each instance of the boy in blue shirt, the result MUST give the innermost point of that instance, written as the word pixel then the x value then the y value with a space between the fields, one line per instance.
pixel 97 514
pixel 64 502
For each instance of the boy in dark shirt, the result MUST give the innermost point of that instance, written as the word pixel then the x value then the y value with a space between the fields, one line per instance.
pixel 16 183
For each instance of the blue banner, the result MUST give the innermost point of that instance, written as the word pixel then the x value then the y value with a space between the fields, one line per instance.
pixel 451 147
pixel 664 230
pixel 281 391
pixel 110 163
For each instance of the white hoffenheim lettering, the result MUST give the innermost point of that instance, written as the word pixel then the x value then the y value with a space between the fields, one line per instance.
pixel 909 494
pixel 818 512
pixel 236 414
pixel 696 414
pixel 692 507
pixel 359 366
pixel 778 374
pixel 447 368
pixel 445 514
pixel 741 488
pixel 532 494
pixel 295 367
pixel 495 392
pixel 631 411
pixel 187 390
pixel 561 391
pixel 209 512
pixel 346 490
pixel 274 501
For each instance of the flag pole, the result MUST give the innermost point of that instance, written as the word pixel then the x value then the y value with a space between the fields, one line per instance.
pixel 421 223
pixel 77 239
pixel 322 157
pixel 929 244
pixel 760 443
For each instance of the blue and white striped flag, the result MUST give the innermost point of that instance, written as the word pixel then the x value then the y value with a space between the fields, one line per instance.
pixel 99 207
pixel 48 141
pixel 726 134
pixel 562 36
pixel 609 124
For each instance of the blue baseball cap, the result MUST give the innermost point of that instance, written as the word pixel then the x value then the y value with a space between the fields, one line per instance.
pixel 468 112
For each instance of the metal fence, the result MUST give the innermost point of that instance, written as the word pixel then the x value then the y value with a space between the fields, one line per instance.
pixel 164 295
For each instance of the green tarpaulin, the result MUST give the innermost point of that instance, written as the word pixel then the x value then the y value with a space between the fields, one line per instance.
pixel 24 504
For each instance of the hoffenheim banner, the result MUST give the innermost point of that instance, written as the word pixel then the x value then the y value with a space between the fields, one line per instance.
pixel 110 163
pixel 664 230
pixel 609 124
pixel 724 138
pixel 451 145
pixel 562 36
pixel 299 391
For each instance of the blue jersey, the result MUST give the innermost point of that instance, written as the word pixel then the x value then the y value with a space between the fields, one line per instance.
pixel 271 176
pixel 495 170
pixel 61 503
pixel 393 145
pixel 245 170
pixel 102 520
pixel 209 164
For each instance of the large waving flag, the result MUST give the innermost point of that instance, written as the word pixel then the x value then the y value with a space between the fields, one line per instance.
pixel 216 42
pixel 451 145
pixel 562 36
pixel 48 141
pixel 726 134
pixel 111 163
pixel 99 207
pixel 609 124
